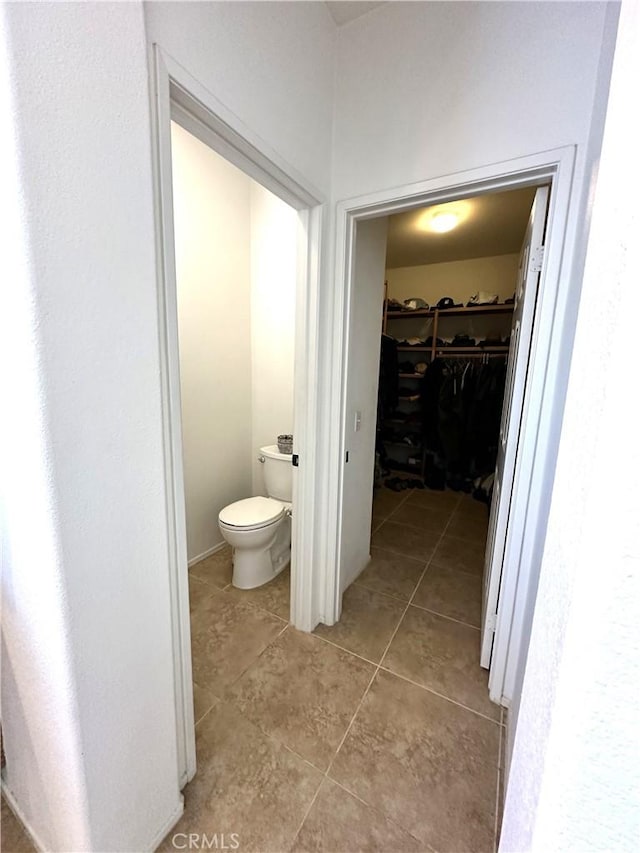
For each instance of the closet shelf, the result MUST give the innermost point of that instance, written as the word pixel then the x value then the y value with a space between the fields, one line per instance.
pixel 434 314
pixel 405 315
pixel 398 422
pixel 471 350
pixel 498 308
pixel 402 444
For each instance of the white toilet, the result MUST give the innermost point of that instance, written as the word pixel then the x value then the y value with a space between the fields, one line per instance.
pixel 259 529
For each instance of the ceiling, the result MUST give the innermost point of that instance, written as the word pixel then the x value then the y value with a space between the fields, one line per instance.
pixel 491 224
pixel 344 11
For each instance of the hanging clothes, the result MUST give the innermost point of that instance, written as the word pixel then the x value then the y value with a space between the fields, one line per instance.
pixel 388 378
pixel 461 403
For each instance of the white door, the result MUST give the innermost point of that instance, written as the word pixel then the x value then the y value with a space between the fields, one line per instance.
pixel 502 505
pixel 361 395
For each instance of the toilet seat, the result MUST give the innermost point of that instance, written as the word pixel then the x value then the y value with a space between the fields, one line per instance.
pixel 251 513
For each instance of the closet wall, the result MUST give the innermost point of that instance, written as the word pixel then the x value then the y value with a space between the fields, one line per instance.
pixel 236 275
pixel 457 279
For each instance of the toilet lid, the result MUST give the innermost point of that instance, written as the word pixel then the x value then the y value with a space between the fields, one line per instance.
pixel 251 512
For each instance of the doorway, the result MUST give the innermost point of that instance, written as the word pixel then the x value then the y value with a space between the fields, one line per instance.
pixel 532 473
pixel 180 98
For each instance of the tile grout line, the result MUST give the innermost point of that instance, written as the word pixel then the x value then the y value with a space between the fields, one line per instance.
pixel 364 696
pixel 382 814
pixel 382 657
pixel 355 713
pixel 444 616
pixel 386 669
pixel 342 649
pixel 441 696
pixel 405 678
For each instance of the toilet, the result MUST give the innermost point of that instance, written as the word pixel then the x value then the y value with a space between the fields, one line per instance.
pixel 259 529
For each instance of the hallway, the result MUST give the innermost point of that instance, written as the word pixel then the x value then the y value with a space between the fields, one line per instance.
pixel 374 734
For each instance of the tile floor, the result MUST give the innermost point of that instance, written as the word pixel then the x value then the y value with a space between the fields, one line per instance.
pixel 374 734
pixel 13 838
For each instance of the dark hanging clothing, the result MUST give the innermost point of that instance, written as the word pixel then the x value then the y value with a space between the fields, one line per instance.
pixel 388 378
pixel 461 405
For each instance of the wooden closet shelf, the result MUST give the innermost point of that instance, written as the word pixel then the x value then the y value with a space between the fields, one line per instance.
pixel 405 315
pixel 499 308
pixel 471 350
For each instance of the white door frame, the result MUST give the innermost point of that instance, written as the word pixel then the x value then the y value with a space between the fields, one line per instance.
pixel 181 97
pixel 541 415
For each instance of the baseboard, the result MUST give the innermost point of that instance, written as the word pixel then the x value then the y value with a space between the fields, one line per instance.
pixel 175 817
pixel 206 554
pixel 15 808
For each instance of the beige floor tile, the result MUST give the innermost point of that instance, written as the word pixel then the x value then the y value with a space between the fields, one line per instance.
pixel 13 838
pixel 226 637
pixel 473 509
pixel 444 656
pixel 391 573
pixel 203 701
pixel 340 823
pixel 216 569
pixel 304 692
pixel 386 500
pixel 451 593
pixel 468 527
pixel 367 622
pixel 427 764
pixel 409 541
pixel 434 499
pixel 460 554
pixel 425 518
pixel 199 593
pixel 247 784
pixel 376 521
pixel 273 596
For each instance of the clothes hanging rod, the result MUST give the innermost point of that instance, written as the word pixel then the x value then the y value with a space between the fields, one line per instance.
pixel 445 354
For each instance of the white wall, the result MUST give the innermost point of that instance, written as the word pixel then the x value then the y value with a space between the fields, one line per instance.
pixel 427 89
pixel 271 63
pixel 274 231
pixel 457 279
pixel 575 774
pixel 212 222
pixel 87 700
pixel 96 598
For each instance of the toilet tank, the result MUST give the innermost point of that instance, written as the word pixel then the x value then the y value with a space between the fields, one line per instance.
pixel 277 473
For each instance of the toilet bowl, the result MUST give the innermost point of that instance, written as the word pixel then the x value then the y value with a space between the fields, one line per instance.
pixel 259 528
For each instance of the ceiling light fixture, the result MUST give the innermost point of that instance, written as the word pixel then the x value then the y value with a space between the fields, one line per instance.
pixel 443 222
pixel 444 217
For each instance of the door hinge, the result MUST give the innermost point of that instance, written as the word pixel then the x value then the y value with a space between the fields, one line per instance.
pixel 537 257
pixel 295 460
